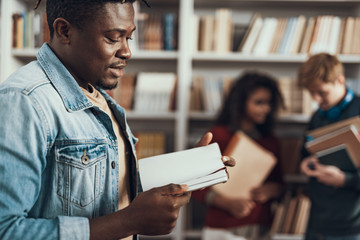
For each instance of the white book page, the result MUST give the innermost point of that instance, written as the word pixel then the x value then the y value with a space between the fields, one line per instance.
pixel 209 180
pixel 179 167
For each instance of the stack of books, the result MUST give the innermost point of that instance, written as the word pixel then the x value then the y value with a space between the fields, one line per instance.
pixel 337 144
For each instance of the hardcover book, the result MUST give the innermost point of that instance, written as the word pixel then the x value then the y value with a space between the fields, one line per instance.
pixel 347 136
pixel 253 165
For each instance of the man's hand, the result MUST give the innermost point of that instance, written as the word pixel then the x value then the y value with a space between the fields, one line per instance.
pixel 206 139
pixel 308 165
pixel 328 175
pixel 155 212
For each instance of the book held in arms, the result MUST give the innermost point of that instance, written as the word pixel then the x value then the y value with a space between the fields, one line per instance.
pixel 340 140
pixel 337 156
pixel 253 165
pixel 197 167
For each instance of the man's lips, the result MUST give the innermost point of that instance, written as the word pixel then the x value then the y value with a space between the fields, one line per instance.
pixel 121 66
pixel 117 70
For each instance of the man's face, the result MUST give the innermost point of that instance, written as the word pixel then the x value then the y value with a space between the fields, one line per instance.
pixel 327 95
pixel 99 50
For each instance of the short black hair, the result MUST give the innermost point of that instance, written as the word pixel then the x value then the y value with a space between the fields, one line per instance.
pixel 77 12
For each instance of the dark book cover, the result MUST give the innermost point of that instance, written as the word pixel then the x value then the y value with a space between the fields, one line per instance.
pixel 337 156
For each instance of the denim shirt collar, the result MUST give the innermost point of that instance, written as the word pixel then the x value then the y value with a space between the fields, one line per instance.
pixel 69 90
pixel 65 84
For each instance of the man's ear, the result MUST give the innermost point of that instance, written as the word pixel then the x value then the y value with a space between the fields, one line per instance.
pixel 341 79
pixel 62 30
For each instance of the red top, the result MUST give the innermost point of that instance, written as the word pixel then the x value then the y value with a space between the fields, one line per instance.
pixel 261 214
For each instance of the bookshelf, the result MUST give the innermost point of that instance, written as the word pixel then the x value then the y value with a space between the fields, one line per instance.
pixel 183 127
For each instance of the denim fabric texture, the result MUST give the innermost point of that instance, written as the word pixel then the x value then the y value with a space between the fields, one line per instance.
pixel 56 154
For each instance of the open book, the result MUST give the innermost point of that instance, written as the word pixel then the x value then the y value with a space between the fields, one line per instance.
pixel 197 167
pixel 253 165
pixel 348 136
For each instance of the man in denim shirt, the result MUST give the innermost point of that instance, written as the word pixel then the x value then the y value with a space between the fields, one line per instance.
pixel 59 151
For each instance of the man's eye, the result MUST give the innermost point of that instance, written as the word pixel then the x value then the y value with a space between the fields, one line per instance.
pixel 112 40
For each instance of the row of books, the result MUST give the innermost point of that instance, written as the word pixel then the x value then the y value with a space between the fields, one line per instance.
pixel 155 32
pixel 149 92
pixel 291 215
pixel 277 35
pixel 150 144
pixel 29 29
pixel 296 99
pixel 214 33
pixel 207 94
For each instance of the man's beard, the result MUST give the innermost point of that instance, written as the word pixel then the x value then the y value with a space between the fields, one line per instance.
pixel 104 86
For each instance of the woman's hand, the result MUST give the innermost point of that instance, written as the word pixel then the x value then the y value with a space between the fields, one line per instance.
pixel 266 192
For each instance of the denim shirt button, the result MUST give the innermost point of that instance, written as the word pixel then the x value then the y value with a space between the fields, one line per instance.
pixel 113 164
pixel 85 159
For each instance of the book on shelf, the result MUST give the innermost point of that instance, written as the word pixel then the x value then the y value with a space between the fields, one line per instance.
pixel 266 36
pixel 208 93
pixel 155 92
pixel 289 30
pixel 348 35
pixel 238 35
pixel 197 167
pixel 253 165
pixel 154 31
pixel 291 215
pixel 29 30
pixel 298 35
pixel 279 33
pixel 356 42
pixel 296 99
pixel 223 32
pixel 123 94
pixel 206 28
pixel 327 36
pixel 150 144
pixel 252 34
pixel 341 35
pixel 170 27
pixel 347 135
pixel 309 30
pixel 196 32
pixel 335 36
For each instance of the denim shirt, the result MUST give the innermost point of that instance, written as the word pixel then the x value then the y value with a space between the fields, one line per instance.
pixel 58 154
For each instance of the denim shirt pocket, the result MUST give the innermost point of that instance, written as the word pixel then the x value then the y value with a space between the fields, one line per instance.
pixel 80 172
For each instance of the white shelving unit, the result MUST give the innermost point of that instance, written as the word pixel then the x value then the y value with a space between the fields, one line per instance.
pixel 187 63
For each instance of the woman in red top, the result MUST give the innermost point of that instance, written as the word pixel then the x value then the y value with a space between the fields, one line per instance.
pixel 251 106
